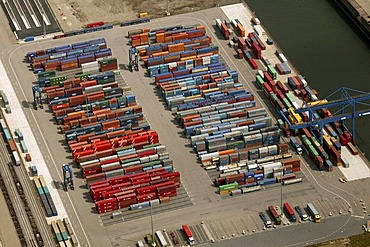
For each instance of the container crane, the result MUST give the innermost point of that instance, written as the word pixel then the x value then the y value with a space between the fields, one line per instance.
pixel 133 59
pixel 350 99
pixel 37 97
pixel 68 177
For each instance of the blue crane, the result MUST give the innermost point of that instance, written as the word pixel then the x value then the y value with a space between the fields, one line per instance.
pixel 68 177
pixel 133 59
pixel 37 97
pixel 350 99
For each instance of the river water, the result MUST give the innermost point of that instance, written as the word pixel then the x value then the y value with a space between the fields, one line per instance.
pixel 324 45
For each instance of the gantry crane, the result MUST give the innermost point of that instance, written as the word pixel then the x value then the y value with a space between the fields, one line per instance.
pixel 68 177
pixel 37 97
pixel 350 99
pixel 133 59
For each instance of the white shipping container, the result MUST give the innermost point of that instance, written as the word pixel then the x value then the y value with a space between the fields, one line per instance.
pixel 16 158
pixel 218 23
pixel 282 58
pixel 257 29
pixel 90 64
pixel 295 105
pixel 234 23
pixel 93 88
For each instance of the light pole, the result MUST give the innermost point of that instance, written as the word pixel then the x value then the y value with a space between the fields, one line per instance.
pixel 281 196
pixel 43 20
pixel 151 220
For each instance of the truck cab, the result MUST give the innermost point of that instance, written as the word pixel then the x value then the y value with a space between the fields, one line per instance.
pixel 296 145
pixel 303 216
pixel 267 223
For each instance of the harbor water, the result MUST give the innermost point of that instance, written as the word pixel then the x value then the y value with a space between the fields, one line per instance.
pixel 324 45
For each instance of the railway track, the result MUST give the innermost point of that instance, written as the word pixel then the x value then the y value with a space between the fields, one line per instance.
pixel 25 209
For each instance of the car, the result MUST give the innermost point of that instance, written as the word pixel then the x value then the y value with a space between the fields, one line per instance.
pixel 345 179
pixel 341 180
pixel 174 238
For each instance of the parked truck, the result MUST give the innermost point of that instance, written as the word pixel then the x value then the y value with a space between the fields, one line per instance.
pixel 296 145
pixel 265 220
pixel 311 208
pixel 188 234
pixel 288 209
pixel 274 215
pixel 302 215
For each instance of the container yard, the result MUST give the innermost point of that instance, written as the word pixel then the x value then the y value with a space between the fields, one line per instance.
pixel 190 119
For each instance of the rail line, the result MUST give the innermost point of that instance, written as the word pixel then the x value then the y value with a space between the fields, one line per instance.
pixel 21 197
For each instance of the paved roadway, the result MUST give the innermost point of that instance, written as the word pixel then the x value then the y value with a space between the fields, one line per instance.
pixel 208 206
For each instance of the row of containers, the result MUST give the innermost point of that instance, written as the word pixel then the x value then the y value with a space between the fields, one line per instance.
pixel 72 56
pixel 64 233
pixel 222 120
pixel 91 27
pixel 44 193
pixel 11 142
pixel 285 103
pixel 99 26
pixel 253 178
pixel 109 138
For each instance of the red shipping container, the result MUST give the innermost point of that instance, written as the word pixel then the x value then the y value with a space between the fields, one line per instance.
pixel 167 194
pixel 146 190
pixel 146 197
pixel 121 185
pixel 118 180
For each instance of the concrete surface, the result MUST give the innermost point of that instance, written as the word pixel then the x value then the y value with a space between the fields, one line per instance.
pixel 357 168
pixel 322 188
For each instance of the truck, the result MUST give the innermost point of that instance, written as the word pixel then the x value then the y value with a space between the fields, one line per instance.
pixel 265 220
pixel 289 211
pixel 311 208
pixel 188 234
pixel 302 215
pixel 274 215
pixel 296 145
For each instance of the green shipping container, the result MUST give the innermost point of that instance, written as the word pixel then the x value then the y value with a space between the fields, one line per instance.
pixel 312 150
pixel 152 145
pixel 287 103
pixel 315 142
pixel 50 73
pixel 290 97
pixel 271 71
pixel 259 81
pixel 152 163
pixel 82 76
pixel 231 186
pixel 58 80
pixel 123 148
pixel 108 61
pixel 23 147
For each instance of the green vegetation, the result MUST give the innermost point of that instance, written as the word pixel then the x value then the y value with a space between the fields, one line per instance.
pixel 362 240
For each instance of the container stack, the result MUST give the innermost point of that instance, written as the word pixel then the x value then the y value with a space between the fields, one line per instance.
pixel 69 56
pixel 136 190
pixel 64 233
pixel 227 130
pixel 110 139
pixel 223 28
pixel 45 196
